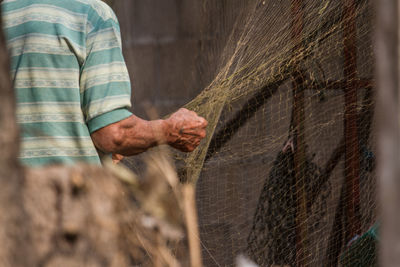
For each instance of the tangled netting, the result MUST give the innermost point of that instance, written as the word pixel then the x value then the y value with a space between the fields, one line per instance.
pixel 286 175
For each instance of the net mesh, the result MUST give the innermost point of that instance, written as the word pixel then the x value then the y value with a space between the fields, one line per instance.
pixel 286 174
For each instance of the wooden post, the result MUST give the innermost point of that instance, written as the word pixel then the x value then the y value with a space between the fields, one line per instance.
pixel 300 153
pixel 388 118
pixel 190 212
pixel 352 159
pixel 14 236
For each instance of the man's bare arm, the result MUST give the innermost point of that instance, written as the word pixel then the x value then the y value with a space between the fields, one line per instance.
pixel 183 130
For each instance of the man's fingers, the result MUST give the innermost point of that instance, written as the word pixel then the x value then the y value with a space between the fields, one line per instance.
pixel 203 122
pixel 116 158
pixel 191 115
pixel 190 144
pixel 202 134
pixel 193 132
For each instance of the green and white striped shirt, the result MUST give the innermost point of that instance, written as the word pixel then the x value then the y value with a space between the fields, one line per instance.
pixel 69 75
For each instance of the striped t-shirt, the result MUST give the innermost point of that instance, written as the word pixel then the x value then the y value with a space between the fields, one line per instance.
pixel 69 75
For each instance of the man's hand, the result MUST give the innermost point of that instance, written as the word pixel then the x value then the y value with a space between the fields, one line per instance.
pixel 184 130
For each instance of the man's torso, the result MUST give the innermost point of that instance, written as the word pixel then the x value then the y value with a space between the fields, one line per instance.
pixel 47 40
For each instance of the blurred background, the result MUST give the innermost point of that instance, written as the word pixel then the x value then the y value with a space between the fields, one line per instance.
pixel 175 48
pixel 172 48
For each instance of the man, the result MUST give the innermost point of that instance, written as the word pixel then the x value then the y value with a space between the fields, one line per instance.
pixel 73 89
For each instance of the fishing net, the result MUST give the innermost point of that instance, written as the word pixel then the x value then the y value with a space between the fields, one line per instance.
pixel 286 174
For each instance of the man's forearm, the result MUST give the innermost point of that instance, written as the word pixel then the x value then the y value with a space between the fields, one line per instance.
pixel 183 130
pixel 131 136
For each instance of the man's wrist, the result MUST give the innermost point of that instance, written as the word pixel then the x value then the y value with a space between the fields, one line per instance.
pixel 162 132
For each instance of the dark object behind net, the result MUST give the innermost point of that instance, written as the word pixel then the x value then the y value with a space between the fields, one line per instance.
pixel 300 69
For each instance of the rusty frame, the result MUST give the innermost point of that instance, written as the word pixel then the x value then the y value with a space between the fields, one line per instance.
pixel 352 157
pixel 298 84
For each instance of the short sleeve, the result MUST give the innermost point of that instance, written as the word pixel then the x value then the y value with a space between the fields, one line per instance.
pixel 105 87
